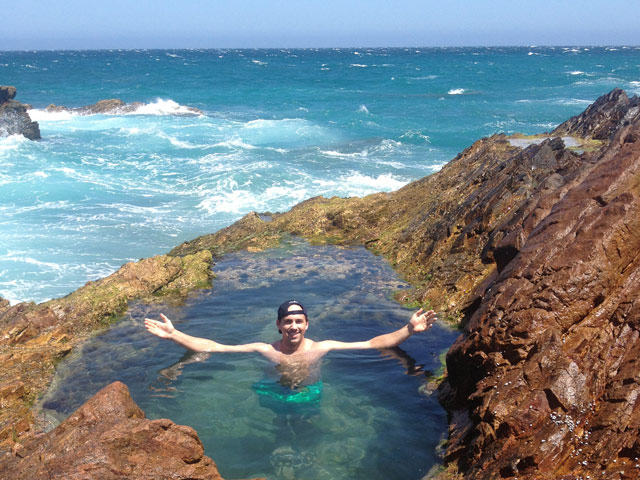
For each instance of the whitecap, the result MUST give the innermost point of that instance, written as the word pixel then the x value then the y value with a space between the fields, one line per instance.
pixel 384 182
pixel 163 107
pixel 363 109
pixel 358 65
pixel 573 101
pixel 436 167
pixel 258 62
pixel 12 142
pixel 576 72
pixel 42 115
pixel 456 91
pixel 336 154
pixel 234 143
pixel 235 201
pixel 178 143
pixel 415 134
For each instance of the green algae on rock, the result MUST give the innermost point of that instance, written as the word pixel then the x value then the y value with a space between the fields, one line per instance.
pixel 34 337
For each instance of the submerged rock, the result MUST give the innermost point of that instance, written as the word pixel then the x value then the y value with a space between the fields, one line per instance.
pixel 109 438
pixel 14 119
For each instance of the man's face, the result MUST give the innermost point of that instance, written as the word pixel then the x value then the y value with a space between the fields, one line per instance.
pixel 293 326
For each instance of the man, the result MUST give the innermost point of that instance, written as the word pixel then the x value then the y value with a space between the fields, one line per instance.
pixel 293 350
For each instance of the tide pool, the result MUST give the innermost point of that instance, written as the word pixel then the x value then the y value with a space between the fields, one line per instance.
pixel 372 416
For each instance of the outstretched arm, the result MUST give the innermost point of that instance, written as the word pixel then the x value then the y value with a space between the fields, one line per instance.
pixel 420 322
pixel 165 329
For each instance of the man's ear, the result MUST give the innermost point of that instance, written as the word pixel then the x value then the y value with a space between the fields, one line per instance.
pixel 278 325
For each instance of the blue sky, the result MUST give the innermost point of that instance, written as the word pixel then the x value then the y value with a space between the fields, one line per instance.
pixel 75 24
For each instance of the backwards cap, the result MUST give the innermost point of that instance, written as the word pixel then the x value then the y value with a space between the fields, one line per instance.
pixel 283 310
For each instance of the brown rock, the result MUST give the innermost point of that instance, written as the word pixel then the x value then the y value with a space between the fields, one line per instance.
pixel 564 315
pixel 110 438
pixel 603 118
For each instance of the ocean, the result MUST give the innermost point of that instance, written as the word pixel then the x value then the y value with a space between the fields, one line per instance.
pixel 277 127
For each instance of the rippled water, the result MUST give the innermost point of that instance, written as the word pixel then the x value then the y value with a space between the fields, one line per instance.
pixel 278 126
pixel 376 418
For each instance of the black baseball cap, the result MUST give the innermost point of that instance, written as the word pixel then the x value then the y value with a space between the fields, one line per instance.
pixel 283 310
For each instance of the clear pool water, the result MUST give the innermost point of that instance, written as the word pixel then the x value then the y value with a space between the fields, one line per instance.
pixel 374 420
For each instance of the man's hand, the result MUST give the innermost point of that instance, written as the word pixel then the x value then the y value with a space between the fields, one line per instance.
pixel 422 321
pixel 160 329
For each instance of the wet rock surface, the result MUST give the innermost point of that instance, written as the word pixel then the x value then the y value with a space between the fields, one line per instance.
pixel 110 438
pixel 14 119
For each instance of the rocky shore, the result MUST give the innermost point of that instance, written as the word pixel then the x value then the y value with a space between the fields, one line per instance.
pixel 114 106
pixel 14 119
pixel 531 245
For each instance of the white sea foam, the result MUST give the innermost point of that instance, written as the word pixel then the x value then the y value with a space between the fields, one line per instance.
pixel 456 91
pixel 336 154
pixel 234 201
pixel 258 62
pixel 42 115
pixel 163 107
pixel 576 72
pixel 358 65
pixel 436 167
pixel 363 109
pixel 235 143
pixel 12 142
pixel 383 182
pixel 573 101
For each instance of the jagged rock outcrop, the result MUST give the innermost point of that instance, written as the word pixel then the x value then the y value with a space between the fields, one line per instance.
pixel 34 337
pixel 14 119
pixel 115 106
pixel 603 118
pixel 545 382
pixel 109 438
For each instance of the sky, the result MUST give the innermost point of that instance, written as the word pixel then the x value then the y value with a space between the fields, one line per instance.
pixel 90 24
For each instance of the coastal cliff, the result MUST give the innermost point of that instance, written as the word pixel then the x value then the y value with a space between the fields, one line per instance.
pixel 531 245
pixel 14 119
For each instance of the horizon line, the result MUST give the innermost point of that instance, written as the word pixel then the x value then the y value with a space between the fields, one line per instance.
pixel 625 46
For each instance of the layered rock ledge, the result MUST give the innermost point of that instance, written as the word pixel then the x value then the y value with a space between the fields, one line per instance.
pixel 14 119
pixel 535 251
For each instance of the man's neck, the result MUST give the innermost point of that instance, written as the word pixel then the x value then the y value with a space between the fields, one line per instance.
pixel 289 348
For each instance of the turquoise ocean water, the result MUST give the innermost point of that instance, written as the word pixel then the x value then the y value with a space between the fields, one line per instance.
pixel 278 126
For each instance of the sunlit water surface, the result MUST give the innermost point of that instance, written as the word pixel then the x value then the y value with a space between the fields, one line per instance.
pixel 376 418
